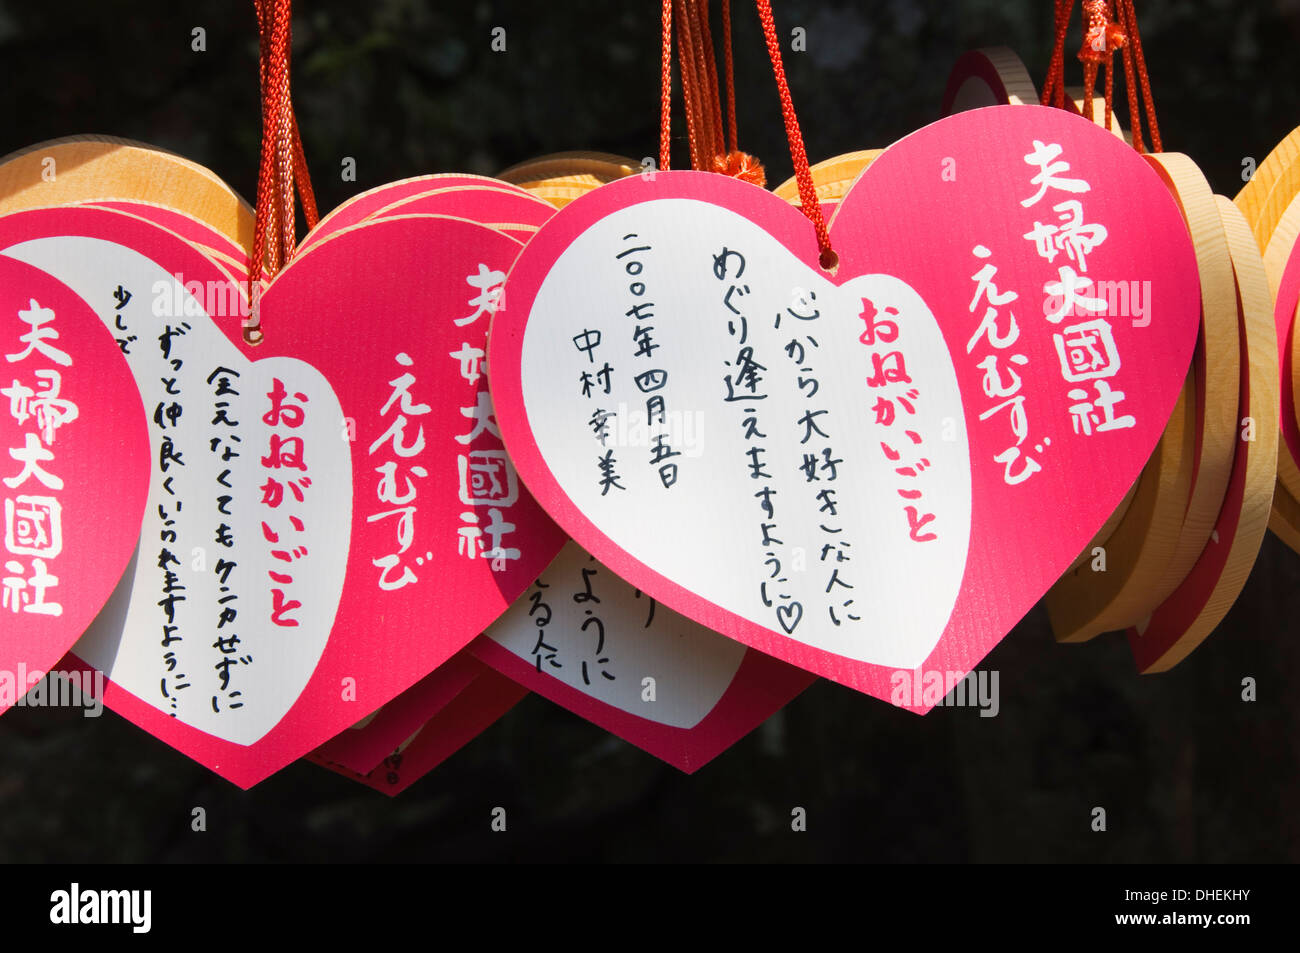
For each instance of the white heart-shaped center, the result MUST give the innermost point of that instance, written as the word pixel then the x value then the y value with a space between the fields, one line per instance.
pixel 760 424
pixel 206 493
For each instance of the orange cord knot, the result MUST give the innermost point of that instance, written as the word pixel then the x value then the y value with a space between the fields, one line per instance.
pixel 1102 36
pixel 741 165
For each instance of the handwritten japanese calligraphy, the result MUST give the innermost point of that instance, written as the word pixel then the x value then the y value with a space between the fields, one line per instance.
pixel 237 510
pixel 801 393
pixel 583 625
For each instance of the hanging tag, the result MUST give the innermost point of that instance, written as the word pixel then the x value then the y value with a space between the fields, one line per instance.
pixel 1276 226
pixel 509 210
pixel 195 231
pixel 1257 200
pixel 973 379
pixel 561 177
pixel 343 481
pixel 684 694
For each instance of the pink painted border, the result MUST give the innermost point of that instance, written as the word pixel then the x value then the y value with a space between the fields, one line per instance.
pixel 361 749
pixel 484 701
pixel 193 230
pixel 1288 295
pixel 361 206
pixel 761 686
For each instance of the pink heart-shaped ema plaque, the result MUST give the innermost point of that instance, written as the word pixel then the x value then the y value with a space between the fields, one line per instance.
pixel 331 514
pixel 873 471
pixel 375 737
pixel 74 468
pixel 474 709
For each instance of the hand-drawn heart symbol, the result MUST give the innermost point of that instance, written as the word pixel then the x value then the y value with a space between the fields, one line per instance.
pixel 892 462
pixel 343 481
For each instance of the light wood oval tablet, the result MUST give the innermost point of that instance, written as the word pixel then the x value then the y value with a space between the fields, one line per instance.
pixel 1202 600
pixel 989 76
pixel 81 169
pixel 1269 206
pixel 561 177
pixel 831 177
pixel 1160 538
pixel 1255 192
pixel 1084 603
pixel 603 166
pixel 1278 253
pixel 1218 362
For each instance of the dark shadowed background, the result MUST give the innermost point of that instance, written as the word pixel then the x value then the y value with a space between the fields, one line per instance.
pixel 1186 770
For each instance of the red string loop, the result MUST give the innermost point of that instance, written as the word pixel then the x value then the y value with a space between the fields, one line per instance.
pixel 712 145
pixel 731 77
pixel 802 171
pixel 689 63
pixel 282 166
pixel 708 74
pixel 1109 26
pixel 666 86
pixel 1134 52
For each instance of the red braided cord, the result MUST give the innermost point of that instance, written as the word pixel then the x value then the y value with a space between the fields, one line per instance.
pixel 1054 84
pixel 283 164
pixel 665 85
pixel 1089 88
pixel 803 174
pixel 1101 37
pixel 731 77
pixel 264 258
pixel 280 42
pixel 690 84
pixel 1131 89
pixel 302 178
pixel 1135 40
pixel 704 43
pixel 1110 91
pixel 1121 15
